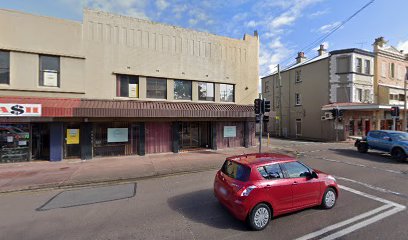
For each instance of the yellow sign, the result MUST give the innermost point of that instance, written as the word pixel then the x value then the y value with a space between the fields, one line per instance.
pixel 72 136
pixel 277 117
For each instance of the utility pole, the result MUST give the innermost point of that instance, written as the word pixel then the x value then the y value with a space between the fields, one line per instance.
pixel 280 102
pixel 335 123
pixel 260 125
pixel 404 120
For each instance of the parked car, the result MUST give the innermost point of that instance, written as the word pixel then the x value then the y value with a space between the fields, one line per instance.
pixel 393 142
pixel 257 187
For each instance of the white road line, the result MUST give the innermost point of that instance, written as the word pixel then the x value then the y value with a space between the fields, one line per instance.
pixel 363 223
pixel 344 223
pixel 373 187
pixel 388 204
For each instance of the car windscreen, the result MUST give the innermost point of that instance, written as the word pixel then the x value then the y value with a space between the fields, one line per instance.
pixel 399 136
pixel 236 171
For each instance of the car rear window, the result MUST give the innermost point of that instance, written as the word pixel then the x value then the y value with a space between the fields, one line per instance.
pixel 236 171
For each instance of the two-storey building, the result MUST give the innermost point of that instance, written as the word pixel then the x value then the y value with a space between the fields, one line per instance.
pixel 310 89
pixel 114 85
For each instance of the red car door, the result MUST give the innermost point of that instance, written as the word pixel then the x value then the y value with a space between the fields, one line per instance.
pixel 305 191
pixel 277 189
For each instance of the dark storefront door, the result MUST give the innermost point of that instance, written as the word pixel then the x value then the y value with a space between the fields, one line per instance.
pixel 40 141
pixel 72 147
pixel 194 135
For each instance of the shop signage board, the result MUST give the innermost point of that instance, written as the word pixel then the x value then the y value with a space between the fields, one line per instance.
pixel 20 110
pixel 117 134
pixel 72 136
pixel 230 131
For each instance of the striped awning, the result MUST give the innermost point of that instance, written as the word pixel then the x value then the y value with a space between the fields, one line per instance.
pixel 65 107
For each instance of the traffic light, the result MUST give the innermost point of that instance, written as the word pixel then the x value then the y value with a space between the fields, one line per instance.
pixel 257 118
pixel 257 105
pixel 266 106
pixel 395 111
pixel 266 119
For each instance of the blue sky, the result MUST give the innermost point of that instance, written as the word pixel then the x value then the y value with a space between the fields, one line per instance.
pixel 284 26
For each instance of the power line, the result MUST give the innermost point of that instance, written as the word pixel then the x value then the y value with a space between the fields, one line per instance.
pixel 325 36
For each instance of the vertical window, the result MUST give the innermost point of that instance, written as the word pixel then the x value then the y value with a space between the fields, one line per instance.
pixel 127 86
pixel 298 74
pixel 227 93
pixel 359 93
pixel 298 127
pixel 359 62
pixel 182 89
pixel 156 88
pixel 49 71
pixel 367 67
pixel 392 70
pixel 205 91
pixel 298 100
pixel 367 95
pixel 4 67
pixel 343 64
pixel 406 73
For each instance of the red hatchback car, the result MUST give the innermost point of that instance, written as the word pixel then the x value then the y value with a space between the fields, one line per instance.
pixel 257 187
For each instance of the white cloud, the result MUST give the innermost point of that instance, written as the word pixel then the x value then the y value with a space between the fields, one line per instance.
pixel 133 8
pixel 403 46
pixel 252 24
pixel 161 4
pixel 328 27
pixel 319 13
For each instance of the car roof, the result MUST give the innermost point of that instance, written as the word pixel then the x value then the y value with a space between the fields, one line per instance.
pixel 387 131
pixel 256 159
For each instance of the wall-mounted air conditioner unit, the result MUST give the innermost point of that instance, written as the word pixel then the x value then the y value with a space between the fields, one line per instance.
pixel 328 115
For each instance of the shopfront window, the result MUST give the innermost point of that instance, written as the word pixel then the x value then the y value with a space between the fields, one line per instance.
pixel 227 93
pixel 115 139
pixel 14 143
pixel 4 67
pixel 127 86
pixel 49 71
pixel 182 89
pixel 156 88
pixel 205 91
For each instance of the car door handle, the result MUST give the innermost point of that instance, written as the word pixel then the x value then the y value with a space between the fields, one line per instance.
pixel 268 186
pixel 295 183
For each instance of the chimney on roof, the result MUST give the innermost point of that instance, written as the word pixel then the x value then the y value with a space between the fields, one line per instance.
pixel 321 50
pixel 300 57
pixel 380 42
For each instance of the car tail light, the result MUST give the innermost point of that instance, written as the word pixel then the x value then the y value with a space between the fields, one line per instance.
pixel 247 191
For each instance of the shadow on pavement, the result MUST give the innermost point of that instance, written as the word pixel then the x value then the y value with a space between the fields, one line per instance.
pixel 202 207
pixel 371 155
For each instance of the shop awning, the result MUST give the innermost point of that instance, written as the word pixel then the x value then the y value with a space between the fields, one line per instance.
pixel 66 107
pixel 356 106
pixel 152 109
pixel 50 107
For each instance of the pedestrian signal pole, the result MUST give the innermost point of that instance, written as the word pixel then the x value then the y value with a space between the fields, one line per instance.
pixel 261 106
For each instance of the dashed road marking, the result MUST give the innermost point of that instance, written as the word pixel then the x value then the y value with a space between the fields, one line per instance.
pixel 374 216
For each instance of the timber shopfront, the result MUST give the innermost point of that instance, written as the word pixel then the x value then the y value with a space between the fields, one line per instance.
pixel 53 129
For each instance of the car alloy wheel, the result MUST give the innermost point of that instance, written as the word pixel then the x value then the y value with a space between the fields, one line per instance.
pixel 259 217
pixel 329 198
pixel 398 154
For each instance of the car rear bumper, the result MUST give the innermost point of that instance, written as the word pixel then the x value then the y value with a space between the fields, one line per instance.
pixel 236 206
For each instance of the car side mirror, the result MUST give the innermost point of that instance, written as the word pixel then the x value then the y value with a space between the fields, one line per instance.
pixel 386 138
pixel 314 175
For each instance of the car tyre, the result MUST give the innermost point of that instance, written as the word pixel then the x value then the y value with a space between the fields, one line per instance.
pixel 398 154
pixel 259 217
pixel 329 198
pixel 362 147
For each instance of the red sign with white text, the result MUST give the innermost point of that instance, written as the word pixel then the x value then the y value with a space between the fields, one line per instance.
pixel 20 110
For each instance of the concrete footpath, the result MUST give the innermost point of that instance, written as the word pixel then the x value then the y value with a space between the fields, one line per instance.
pixel 70 173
